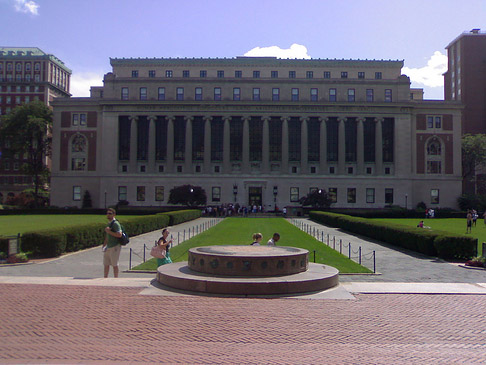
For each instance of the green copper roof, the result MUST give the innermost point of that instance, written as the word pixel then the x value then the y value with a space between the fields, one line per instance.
pixel 30 52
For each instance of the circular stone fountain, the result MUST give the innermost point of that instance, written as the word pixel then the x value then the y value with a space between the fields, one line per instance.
pixel 248 270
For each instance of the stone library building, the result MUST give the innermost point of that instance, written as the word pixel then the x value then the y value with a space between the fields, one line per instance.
pixel 257 131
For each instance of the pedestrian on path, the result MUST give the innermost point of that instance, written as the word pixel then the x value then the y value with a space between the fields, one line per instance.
pixel 164 243
pixel 468 221
pixel 111 246
pixel 273 241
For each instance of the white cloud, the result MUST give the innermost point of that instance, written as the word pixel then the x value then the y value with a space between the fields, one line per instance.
pixel 25 6
pixel 82 82
pixel 430 75
pixel 295 51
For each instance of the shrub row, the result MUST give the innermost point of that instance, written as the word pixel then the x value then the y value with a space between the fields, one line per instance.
pixel 52 243
pixel 428 242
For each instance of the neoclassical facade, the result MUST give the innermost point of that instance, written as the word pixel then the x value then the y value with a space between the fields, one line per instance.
pixel 261 131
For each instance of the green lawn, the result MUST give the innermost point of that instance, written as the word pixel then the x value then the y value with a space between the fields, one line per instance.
pixel 453 225
pixel 239 231
pixel 10 225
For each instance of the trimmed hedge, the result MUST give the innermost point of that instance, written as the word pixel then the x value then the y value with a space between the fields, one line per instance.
pixel 52 243
pixel 428 242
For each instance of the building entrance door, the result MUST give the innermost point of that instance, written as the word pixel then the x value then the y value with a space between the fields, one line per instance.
pixel 255 196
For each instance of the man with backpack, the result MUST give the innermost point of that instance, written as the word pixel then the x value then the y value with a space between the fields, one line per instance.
pixel 111 246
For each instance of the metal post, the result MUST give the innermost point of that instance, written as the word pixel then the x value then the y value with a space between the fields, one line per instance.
pixel 341 246
pixel 314 256
pixel 349 251
pixel 360 255
pixel 374 262
pixel 130 260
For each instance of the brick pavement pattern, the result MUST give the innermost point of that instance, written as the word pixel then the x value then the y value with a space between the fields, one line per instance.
pixel 82 324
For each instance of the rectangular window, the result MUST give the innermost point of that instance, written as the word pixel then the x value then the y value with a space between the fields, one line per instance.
pixel 275 94
pixel 361 75
pixel 352 195
pixel 309 74
pixel 332 192
pixel 256 94
pixel 180 93
pixel 344 75
pixel 75 119
pixel 168 73
pixel 388 95
pixel 274 74
pixel 220 74
pixel 76 193
pixel 159 193
pixel 327 74
pixel 332 95
pixel 122 193
pixel 198 93
pixel 238 74
pixel 161 93
pixel 236 93
pixel 378 75
pixel 291 74
pixel 203 73
pixel 216 194
pixel 82 119
pixel 256 74
pixel 124 93
pixel 314 96
pixel 217 93
pixel 295 94
pixel 433 167
pixel 370 95
pixel 78 164
pixel 143 93
pixel 388 196
pixel 294 195
pixel 434 196
pixel 370 195
pixel 434 121
pixel 135 73
pixel 151 73
pixel 140 193
pixel 351 95
pixel 185 73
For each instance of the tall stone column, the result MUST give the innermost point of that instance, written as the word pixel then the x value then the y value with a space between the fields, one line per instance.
pixel 226 145
pixel 246 145
pixel 188 147
pixel 266 146
pixel 378 147
pixel 151 146
pixel 133 144
pixel 323 146
pixel 207 144
pixel 285 145
pixel 341 146
pixel 360 146
pixel 304 148
pixel 170 143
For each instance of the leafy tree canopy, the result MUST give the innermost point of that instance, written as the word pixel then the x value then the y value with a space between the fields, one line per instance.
pixel 189 195
pixel 473 153
pixel 316 199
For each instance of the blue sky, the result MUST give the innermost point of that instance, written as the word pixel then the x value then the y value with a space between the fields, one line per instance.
pixel 84 34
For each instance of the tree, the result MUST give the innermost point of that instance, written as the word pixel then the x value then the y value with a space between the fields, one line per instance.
pixel 317 199
pixel 189 195
pixel 473 153
pixel 26 131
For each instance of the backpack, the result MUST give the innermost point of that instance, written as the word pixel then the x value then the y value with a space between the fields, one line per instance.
pixel 124 239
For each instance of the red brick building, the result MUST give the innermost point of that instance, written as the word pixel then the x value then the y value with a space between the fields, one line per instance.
pixel 26 74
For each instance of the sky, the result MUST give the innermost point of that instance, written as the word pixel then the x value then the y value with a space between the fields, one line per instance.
pixel 84 34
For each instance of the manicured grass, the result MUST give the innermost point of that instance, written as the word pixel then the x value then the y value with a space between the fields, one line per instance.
pixel 239 231
pixel 452 225
pixel 11 225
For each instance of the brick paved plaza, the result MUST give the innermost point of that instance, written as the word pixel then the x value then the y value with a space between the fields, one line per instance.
pixel 88 324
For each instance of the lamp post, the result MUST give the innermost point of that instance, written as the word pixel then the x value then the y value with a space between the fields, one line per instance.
pixel 105 199
pixel 235 191
pixel 406 201
pixel 275 192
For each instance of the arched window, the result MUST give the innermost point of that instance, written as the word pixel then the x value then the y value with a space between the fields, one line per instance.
pixel 434 155
pixel 78 152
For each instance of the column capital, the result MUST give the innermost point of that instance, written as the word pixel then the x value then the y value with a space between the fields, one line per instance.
pixel 207 118
pixel 245 118
pixel 360 119
pixel 188 118
pixel 170 117
pixel 304 119
pixel 266 118
pixel 133 117
pixel 342 119
pixel 285 119
pixel 226 118
pixel 152 117
pixel 380 119
pixel 323 119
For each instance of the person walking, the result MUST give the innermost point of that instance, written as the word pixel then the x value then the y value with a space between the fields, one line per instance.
pixel 164 243
pixel 273 241
pixel 468 221
pixel 111 245
pixel 257 238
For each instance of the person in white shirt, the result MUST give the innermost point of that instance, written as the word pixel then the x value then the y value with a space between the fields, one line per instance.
pixel 273 241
